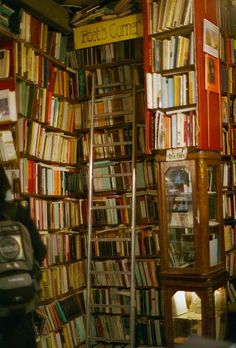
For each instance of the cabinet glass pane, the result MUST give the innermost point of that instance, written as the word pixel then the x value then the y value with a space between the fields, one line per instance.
pixel 180 217
pixel 187 315
pixel 214 226
pixel 220 297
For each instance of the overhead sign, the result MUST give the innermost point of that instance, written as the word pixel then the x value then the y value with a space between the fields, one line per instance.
pixel 104 32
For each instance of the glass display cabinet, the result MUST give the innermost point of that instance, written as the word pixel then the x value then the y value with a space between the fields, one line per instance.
pixel 191 215
pixel 192 246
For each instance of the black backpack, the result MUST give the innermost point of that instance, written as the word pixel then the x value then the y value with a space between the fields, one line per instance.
pixel 19 271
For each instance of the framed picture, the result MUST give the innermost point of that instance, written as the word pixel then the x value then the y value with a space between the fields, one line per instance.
pixel 212 73
pixel 210 38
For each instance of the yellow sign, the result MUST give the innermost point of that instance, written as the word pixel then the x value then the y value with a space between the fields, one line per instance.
pixel 104 32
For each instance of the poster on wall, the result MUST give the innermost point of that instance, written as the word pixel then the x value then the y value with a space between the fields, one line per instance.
pixel 210 38
pixel 212 73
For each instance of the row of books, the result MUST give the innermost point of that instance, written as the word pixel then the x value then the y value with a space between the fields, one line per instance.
pixel 150 332
pixel 116 176
pixel 116 209
pixel 108 111
pixel 118 78
pixel 176 52
pixel 115 327
pixel 55 215
pixel 175 129
pixel 71 246
pixel 117 301
pixel 170 14
pixel 63 247
pixel 35 140
pixel 39 103
pixel 118 244
pixel 111 143
pixel 167 92
pixel 37 33
pixel 39 178
pixel 61 311
pixel 42 71
pixel 71 334
pixel 103 54
pixel 108 80
pixel 117 273
pixel 61 279
pixel 104 11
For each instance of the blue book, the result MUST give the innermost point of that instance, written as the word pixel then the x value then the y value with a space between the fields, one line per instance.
pixel 170 92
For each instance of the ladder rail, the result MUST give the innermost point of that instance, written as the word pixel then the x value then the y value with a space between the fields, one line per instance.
pixel 133 227
pixel 90 217
pixel 90 238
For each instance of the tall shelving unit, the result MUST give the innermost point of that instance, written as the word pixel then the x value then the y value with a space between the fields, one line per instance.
pixel 183 128
pixel 227 15
pixel 123 250
pixel 48 181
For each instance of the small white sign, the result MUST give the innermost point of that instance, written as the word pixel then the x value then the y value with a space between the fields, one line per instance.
pixel 176 154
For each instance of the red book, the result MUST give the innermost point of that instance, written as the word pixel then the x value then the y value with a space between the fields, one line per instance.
pixel 48 106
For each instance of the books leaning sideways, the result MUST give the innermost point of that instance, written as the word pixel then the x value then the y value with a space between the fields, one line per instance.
pixel 5 14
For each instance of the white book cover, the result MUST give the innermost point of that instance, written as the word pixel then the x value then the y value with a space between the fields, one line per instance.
pixel 7 105
pixel 7 146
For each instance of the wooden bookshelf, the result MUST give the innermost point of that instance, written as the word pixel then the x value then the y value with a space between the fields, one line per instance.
pixel 43 168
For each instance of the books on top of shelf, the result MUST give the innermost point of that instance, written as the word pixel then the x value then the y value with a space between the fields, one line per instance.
pixel 169 14
pixel 7 106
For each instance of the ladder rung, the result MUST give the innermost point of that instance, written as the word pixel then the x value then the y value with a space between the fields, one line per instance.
pixel 94 207
pixel 112 84
pixel 98 305
pixel 108 340
pixel 112 175
pixel 112 114
pixel 113 144
pixel 111 239
pixel 109 272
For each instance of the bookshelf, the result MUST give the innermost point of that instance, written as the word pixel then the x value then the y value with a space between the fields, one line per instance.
pixel 179 96
pixel 227 12
pixel 39 151
pixel 184 71
pixel 118 98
